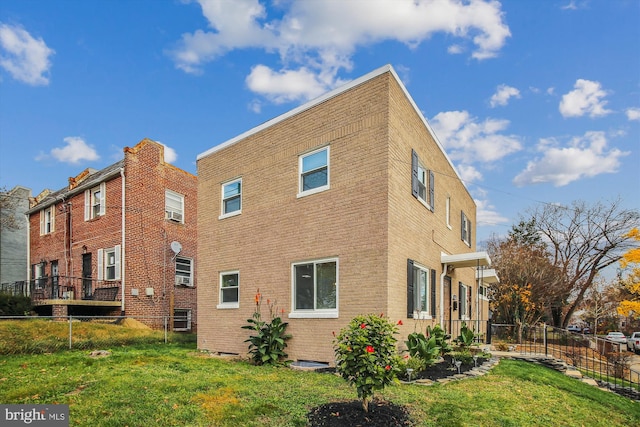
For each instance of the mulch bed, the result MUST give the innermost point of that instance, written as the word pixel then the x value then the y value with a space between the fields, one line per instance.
pixel 381 413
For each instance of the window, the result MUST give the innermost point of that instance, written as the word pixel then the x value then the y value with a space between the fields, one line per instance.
pixel 231 198
pixel 465 229
pixel 37 270
pixel 315 289
pixel 422 182
pixel 464 295
pixel 173 206
pixel 448 212
pixel 47 220
pixel 482 291
pixel 184 271
pixel 109 263
pixel 182 319
pixel 314 172
pixel 421 291
pixel 95 202
pixel 229 286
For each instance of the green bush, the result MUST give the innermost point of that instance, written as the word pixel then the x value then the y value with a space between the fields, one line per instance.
pixel 267 345
pixel 441 338
pixel 366 355
pixel 423 348
pixel 466 337
pixel 14 305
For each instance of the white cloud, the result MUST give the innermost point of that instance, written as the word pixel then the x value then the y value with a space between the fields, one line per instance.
pixel 502 95
pixel 75 151
pixel 582 157
pixel 286 85
pixel 486 214
pixel 633 114
pixel 468 140
pixel 170 155
pixel 468 173
pixel 320 37
pixel 27 59
pixel 586 98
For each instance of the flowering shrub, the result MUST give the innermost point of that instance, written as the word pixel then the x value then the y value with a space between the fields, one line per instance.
pixel 267 346
pixel 366 355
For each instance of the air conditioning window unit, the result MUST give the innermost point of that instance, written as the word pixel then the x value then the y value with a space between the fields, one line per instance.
pixel 174 216
pixel 183 280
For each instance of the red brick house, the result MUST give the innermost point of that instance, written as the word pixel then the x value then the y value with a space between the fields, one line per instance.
pixel 118 241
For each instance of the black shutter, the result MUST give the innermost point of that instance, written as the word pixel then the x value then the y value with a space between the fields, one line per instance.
pixel 462 221
pixel 470 305
pixel 433 293
pixel 469 232
pixel 432 203
pixel 460 313
pixel 414 174
pixel 410 297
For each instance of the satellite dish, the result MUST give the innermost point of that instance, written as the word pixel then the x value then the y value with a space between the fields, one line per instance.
pixel 176 247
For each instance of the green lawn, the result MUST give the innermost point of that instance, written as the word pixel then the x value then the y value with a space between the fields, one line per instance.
pixel 175 385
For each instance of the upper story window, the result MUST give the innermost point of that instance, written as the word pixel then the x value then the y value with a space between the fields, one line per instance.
pixel 109 263
pixel 465 229
pixel 422 182
pixel 421 291
pixel 314 172
pixel 174 206
pixel 229 289
pixel 231 198
pixel 184 271
pixel 95 202
pixel 315 289
pixel 47 220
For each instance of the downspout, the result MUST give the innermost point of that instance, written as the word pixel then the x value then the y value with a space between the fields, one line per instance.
pixel 28 254
pixel 444 273
pixel 122 246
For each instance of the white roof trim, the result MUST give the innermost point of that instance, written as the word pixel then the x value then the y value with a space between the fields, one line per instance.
pixel 471 259
pixel 488 276
pixel 329 95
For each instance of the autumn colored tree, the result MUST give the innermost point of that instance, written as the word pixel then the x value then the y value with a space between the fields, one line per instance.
pixel 582 240
pixel 630 264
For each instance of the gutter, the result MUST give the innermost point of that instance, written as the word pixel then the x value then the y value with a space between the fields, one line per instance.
pixel 444 273
pixel 122 247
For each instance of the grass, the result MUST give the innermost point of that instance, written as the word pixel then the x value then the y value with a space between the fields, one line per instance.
pixel 175 385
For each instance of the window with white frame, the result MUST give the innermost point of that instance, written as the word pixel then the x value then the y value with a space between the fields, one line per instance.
pixel 464 297
pixel 422 182
pixel 315 289
pixel 229 289
pixel 482 291
pixel 109 263
pixel 37 270
pixel 465 229
pixel 95 202
pixel 314 172
pixel 448 212
pixel 421 297
pixel 47 220
pixel 231 198
pixel 184 271
pixel 182 319
pixel 173 206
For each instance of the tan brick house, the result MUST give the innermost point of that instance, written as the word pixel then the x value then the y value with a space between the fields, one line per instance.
pixel 345 205
pixel 118 241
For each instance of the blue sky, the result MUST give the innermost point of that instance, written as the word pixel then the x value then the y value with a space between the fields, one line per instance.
pixel 534 101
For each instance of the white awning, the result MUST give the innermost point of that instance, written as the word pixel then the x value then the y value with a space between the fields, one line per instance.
pixel 471 259
pixel 487 275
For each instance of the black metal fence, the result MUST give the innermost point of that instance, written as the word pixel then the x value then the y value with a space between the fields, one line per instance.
pixel 64 287
pixel 603 360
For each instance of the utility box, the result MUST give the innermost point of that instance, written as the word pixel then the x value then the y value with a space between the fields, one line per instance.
pixel 149 292
pixel 134 292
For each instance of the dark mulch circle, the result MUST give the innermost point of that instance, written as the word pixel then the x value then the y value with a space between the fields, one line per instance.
pixel 443 369
pixel 350 414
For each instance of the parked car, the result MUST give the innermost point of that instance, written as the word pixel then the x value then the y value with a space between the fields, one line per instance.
pixel 586 330
pixel 633 342
pixel 574 328
pixel 617 337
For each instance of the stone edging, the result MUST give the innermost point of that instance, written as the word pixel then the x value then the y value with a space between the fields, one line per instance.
pixel 472 373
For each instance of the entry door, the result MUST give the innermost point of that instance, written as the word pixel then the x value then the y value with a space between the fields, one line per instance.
pixel 447 303
pixel 54 279
pixel 86 276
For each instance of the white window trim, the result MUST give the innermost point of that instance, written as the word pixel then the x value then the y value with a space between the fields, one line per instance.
pixel 102 265
pixel 180 197
pixel 322 188
pixel 423 315
pixel 89 202
pixel 448 212
pixel 191 276
pixel 43 220
pixel 332 313
pixel 227 305
pixel 222 199
pixel 464 316
pixel 189 319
